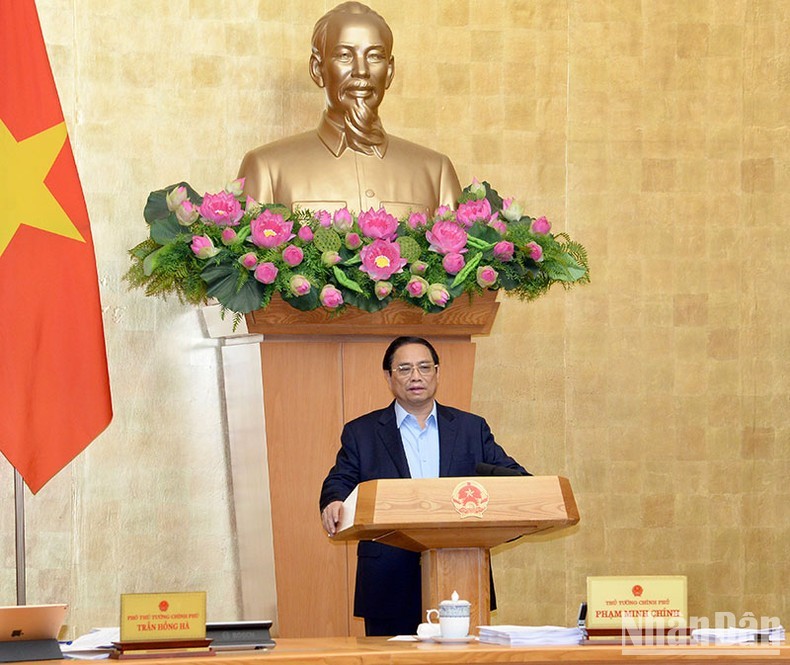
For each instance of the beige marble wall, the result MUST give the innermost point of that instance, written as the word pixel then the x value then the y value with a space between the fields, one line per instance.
pixel 654 131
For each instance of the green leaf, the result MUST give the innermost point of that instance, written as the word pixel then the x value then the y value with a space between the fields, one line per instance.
pixel 455 290
pixel 353 260
pixel 304 303
pixel 345 280
pixel 493 196
pixel 165 230
pixel 565 269
pixel 278 209
pixel 143 249
pixel 365 304
pixel 469 267
pixel 242 235
pixel 150 262
pixel 485 236
pixel 476 243
pixel 223 284
pixel 507 281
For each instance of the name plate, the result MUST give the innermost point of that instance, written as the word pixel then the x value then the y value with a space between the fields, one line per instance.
pixel 163 616
pixel 643 601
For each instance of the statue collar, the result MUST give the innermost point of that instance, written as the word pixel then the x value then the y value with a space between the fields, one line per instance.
pixel 334 138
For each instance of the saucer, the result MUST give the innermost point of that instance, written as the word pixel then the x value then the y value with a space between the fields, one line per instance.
pixel 454 640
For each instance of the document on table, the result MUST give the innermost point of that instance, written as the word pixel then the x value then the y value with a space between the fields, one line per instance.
pixel 737 635
pixel 94 645
pixel 349 510
pixel 530 635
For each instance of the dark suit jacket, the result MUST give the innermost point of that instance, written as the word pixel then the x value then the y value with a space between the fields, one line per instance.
pixel 388 578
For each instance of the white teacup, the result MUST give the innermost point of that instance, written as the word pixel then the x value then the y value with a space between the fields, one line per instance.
pixel 454 626
pixel 426 630
pixel 453 617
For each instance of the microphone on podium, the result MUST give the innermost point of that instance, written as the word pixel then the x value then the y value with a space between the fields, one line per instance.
pixel 483 469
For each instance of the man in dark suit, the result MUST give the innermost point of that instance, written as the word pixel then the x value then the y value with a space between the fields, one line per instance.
pixel 414 437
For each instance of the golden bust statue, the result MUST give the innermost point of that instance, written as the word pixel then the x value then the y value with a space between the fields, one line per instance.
pixel 349 160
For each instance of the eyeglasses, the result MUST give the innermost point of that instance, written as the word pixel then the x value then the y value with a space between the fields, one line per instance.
pixel 404 371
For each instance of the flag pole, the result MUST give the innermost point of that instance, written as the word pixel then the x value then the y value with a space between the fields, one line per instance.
pixel 19 503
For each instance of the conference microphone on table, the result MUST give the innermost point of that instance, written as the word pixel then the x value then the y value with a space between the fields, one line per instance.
pixel 483 469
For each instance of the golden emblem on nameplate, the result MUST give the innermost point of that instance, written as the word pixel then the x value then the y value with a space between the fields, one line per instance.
pixel 470 499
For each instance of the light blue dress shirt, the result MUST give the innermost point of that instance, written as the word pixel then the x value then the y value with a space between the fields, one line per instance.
pixel 420 445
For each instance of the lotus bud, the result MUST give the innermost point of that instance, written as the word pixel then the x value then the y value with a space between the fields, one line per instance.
pixel 176 197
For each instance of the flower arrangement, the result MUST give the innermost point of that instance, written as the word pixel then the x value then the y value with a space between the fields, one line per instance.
pixel 241 252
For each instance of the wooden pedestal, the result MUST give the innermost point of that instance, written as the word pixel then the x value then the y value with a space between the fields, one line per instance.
pixel 465 570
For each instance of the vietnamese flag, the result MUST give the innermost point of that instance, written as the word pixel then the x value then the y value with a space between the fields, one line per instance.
pixel 54 387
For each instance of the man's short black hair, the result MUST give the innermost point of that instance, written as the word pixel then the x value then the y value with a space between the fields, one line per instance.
pixel 398 342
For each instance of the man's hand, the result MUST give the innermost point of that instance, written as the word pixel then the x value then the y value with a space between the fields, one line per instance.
pixel 330 516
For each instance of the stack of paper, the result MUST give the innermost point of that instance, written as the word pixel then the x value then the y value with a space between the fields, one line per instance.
pixel 737 635
pixel 519 636
pixel 95 645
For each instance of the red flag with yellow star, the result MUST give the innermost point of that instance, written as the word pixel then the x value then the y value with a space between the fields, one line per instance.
pixel 54 388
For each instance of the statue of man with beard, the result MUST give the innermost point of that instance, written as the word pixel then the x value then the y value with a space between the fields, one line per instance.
pixel 349 160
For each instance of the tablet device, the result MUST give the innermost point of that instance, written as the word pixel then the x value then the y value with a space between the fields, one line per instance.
pixel 31 622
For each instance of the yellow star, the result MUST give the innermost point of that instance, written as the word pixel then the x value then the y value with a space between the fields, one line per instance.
pixel 25 198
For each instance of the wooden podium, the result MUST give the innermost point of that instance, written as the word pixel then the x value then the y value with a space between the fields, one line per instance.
pixel 454 522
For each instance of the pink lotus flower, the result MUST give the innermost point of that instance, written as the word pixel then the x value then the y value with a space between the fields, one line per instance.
pixel 378 224
pixel 221 209
pixel 202 247
pixel 305 234
pixel 446 237
pixel 438 294
pixel 186 213
pixel 486 276
pixel 418 268
pixel 293 255
pixel 353 241
pixel 453 262
pixel 266 272
pixel 269 230
pixel 477 188
pixel 382 289
pixel 473 211
pixel 330 258
pixel 228 236
pixel 249 260
pixel 330 297
pixel 299 285
pixel 417 219
pixel 503 250
pixel 235 187
pixel 535 251
pixel 417 287
pixel 511 210
pixel 342 220
pixel 497 224
pixel 381 259
pixel 541 226
pixel 444 212
pixel 176 197
pixel 324 218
